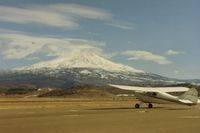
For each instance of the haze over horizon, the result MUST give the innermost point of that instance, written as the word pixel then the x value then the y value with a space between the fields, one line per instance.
pixel 156 36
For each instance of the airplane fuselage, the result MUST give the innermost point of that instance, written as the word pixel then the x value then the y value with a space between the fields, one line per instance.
pixel 161 98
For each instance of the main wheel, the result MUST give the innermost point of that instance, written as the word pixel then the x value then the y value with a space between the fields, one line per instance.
pixel 137 106
pixel 150 105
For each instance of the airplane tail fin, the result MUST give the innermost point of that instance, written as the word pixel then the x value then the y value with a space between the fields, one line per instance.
pixel 191 95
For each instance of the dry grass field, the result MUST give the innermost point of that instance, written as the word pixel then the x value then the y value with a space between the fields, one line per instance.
pixel 63 115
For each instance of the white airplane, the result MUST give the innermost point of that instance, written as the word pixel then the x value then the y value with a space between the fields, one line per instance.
pixel 161 95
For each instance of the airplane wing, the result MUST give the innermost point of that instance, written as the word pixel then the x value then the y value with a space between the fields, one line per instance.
pixel 151 89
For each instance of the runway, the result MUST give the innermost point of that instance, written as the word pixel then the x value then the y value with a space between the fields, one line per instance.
pixel 96 117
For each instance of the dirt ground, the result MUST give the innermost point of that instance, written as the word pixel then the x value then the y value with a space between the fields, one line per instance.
pixel 90 116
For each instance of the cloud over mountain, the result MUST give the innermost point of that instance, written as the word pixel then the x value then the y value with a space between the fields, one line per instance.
pixel 18 46
pixel 148 56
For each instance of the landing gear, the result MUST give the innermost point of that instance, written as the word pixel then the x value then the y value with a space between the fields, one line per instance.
pixel 137 106
pixel 150 105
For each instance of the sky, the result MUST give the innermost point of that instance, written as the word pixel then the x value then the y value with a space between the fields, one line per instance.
pixel 157 36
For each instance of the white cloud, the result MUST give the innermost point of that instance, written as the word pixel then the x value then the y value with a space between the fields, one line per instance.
pixel 176 71
pixel 21 46
pixel 58 15
pixel 172 52
pixel 32 58
pixel 25 15
pixel 2 30
pixel 148 56
pixel 80 10
pixel 122 26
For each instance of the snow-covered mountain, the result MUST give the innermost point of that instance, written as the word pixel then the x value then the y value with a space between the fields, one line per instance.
pixel 85 68
pixel 83 60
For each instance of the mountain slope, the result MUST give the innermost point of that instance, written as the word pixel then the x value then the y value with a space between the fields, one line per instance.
pixel 83 60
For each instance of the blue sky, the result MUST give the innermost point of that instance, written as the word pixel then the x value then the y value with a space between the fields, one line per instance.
pixel 158 36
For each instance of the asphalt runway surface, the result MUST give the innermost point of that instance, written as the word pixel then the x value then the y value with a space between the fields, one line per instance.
pixel 96 117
